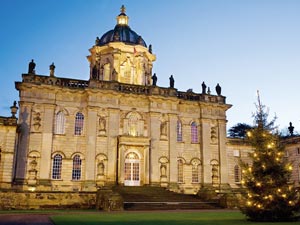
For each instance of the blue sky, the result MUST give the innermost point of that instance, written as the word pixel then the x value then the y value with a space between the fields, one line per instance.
pixel 245 45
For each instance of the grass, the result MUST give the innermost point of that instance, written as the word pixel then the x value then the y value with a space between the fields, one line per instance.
pixel 159 218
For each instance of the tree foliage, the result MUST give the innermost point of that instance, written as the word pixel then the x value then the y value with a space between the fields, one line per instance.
pixel 269 196
pixel 239 130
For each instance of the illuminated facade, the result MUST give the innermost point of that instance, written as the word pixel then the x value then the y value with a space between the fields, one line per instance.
pixel 118 127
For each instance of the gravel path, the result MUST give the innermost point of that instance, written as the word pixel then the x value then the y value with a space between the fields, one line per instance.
pixel 25 219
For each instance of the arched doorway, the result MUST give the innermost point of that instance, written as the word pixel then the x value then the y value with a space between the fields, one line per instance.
pixel 132 169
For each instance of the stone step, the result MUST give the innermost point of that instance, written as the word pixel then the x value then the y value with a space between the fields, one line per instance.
pixel 157 198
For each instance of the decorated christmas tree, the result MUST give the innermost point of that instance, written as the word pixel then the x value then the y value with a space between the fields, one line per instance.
pixel 269 195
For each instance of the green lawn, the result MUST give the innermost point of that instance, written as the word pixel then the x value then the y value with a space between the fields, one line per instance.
pixel 158 218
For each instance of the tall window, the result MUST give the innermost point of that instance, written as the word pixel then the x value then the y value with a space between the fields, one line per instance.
pixel 79 119
pixel 237 177
pixel 60 123
pixel 194 132
pixel 56 167
pixel 179 130
pixel 180 171
pixel 133 124
pixel 195 173
pixel 76 172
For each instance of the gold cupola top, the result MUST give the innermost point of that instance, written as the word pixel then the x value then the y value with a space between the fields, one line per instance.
pixel 122 18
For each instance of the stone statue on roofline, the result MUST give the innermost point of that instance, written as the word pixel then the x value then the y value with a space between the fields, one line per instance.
pixel 203 88
pixel 172 81
pixel 154 79
pixel 31 67
pixel 218 89
pixel 291 129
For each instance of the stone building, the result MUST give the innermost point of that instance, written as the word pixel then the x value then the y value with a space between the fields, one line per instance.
pixel 118 127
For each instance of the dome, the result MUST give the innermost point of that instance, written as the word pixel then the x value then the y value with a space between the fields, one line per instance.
pixel 121 33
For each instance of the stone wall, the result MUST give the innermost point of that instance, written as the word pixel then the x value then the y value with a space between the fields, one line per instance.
pixel 46 200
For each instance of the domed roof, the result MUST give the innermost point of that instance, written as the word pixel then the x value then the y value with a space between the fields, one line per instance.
pixel 121 33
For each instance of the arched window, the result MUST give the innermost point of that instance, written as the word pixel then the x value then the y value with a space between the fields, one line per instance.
pixel 79 119
pixel 180 171
pixel 237 177
pixel 179 130
pixel 76 172
pixel 194 132
pixel 56 166
pixel 60 123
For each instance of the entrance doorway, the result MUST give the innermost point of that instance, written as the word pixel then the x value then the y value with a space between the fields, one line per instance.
pixel 132 170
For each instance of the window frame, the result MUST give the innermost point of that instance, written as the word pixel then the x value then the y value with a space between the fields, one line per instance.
pixel 180 173
pixel 60 122
pixel 179 131
pixel 76 168
pixel 194 133
pixel 56 167
pixel 79 124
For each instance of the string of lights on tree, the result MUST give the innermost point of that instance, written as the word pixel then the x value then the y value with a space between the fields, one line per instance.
pixel 269 195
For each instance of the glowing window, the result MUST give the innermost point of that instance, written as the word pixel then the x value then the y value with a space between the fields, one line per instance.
pixel 76 172
pixel 194 132
pixel 79 119
pixel 60 123
pixel 180 171
pixel 179 130
pixel 56 167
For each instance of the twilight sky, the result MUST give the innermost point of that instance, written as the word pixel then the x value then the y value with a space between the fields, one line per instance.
pixel 245 45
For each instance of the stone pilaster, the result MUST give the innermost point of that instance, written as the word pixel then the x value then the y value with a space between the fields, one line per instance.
pixel 23 142
pixel 91 133
pixel 222 152
pixel 154 148
pixel 172 148
pixel 206 152
pixel 112 145
pixel 46 143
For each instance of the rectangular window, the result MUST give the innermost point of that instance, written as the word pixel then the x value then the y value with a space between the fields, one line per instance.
pixel 237 177
pixel 195 174
pixel 180 171
pixel 79 119
pixel 194 133
pixel 179 131
pixel 56 167
pixel 76 172
pixel 60 123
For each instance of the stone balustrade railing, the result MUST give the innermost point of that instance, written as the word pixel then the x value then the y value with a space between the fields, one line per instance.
pixel 121 87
